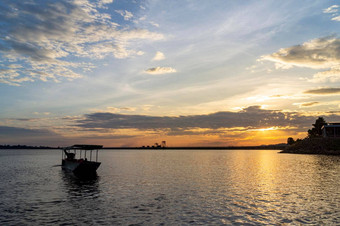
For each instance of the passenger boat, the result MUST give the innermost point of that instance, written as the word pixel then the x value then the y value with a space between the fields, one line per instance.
pixel 81 166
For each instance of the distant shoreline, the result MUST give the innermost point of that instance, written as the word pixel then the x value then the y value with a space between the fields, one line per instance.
pixel 261 147
pixel 314 146
pixel 26 147
pixel 272 147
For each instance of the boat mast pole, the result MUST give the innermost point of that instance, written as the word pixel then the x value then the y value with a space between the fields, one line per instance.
pixel 97 155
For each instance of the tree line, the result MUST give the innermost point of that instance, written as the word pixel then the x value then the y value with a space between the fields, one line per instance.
pixel 315 132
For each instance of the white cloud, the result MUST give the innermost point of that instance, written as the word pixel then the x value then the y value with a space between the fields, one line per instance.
pixel 321 53
pixel 337 18
pixel 158 56
pixel 334 9
pixel 160 70
pixel 46 39
pixel 101 3
pixel 142 18
pixel 121 109
pixel 332 75
pixel 124 13
pixel 103 50
pixel 318 53
pixel 154 24
pixel 331 9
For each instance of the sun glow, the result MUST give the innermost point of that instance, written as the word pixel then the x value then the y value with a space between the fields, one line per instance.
pixel 266 129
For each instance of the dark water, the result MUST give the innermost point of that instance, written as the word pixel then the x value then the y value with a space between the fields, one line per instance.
pixel 175 187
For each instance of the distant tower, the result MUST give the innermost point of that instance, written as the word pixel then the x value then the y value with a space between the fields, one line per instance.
pixel 163 144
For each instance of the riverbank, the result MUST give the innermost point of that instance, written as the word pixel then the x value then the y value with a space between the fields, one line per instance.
pixel 260 147
pixel 320 146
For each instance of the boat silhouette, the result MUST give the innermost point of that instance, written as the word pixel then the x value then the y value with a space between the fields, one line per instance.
pixel 81 166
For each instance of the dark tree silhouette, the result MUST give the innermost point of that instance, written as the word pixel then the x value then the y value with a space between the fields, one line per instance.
pixel 316 130
pixel 290 141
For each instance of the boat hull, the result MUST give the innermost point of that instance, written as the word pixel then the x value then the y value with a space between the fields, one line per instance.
pixel 80 167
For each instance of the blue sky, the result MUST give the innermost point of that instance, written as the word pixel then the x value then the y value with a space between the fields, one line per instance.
pixel 178 65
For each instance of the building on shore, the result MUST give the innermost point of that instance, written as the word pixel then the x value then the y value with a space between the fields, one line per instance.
pixel 331 130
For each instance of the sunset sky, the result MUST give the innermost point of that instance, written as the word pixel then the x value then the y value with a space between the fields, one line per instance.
pixel 193 73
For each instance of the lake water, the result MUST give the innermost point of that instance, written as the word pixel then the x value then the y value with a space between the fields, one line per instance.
pixel 171 187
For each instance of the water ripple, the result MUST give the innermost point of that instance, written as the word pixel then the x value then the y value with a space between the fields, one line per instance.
pixel 191 187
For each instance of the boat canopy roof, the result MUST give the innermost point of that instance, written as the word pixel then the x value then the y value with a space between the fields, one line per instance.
pixel 84 147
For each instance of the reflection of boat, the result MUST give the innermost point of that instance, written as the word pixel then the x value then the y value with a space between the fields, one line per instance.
pixel 81 166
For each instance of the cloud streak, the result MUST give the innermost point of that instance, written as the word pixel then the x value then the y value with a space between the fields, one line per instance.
pixel 307 104
pixel 334 9
pixel 251 117
pixel 323 91
pixel 160 70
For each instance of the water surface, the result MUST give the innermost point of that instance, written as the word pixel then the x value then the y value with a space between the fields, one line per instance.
pixel 171 187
